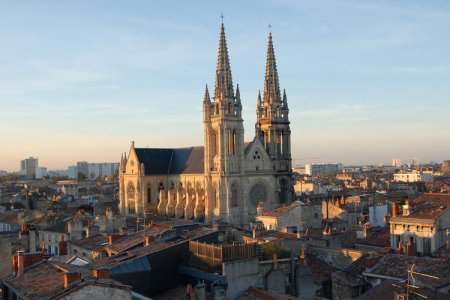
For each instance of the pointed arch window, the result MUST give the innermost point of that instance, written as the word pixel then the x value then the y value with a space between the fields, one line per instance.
pixel 234 195
pixel 149 194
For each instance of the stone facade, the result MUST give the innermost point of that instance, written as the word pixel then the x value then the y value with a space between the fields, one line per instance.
pixel 227 178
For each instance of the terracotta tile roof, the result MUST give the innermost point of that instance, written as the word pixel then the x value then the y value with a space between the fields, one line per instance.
pixel 320 269
pixel 95 243
pixel 135 239
pixel 276 235
pixel 387 288
pixel 428 207
pixel 380 238
pixel 46 280
pixel 253 293
pixel 397 266
pixel 280 210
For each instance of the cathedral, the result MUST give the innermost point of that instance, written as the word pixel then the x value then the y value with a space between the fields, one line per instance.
pixel 227 179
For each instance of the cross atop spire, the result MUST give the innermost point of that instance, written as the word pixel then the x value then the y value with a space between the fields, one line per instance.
pixel 224 82
pixel 221 16
pixel 271 85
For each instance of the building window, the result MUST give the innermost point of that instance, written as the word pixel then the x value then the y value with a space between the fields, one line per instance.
pixel 131 190
pixel 316 216
pixel 131 207
pixel 234 195
pixel 149 194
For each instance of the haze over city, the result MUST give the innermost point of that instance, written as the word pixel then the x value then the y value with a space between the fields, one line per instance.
pixel 81 80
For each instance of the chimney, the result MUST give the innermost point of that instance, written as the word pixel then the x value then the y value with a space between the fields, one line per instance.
pixel 70 277
pixel 190 292
pixel 20 263
pixel 101 273
pixel 366 230
pixel 114 237
pixel 400 248
pixel 394 209
pixel 23 227
pixel 149 240
pixel 254 233
pixel 411 249
pixel 299 235
pixel 200 291
pixel 260 209
pixel 275 262
pixel 62 246
pixel 302 260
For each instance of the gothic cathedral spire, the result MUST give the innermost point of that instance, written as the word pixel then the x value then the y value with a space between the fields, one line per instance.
pixel 272 125
pixel 224 142
pixel 271 84
pixel 224 82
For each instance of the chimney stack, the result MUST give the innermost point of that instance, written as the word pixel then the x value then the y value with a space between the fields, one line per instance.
pixel 70 277
pixel 411 249
pixel 149 240
pixel 200 291
pixel 260 209
pixel 190 292
pixel 114 237
pixel 303 257
pixel 20 263
pixel 400 248
pixel 101 273
pixel 394 209
pixel 62 246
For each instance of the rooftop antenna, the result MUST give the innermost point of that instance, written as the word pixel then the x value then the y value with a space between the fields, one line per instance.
pixel 411 283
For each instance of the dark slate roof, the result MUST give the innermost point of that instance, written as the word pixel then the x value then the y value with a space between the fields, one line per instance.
pixel 171 161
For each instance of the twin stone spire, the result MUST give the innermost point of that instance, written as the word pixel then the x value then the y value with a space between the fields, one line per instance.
pixel 223 90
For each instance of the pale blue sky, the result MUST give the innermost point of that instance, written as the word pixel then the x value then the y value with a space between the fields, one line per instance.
pixel 366 80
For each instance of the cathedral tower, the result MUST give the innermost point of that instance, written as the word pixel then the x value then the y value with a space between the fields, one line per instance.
pixel 272 126
pixel 224 142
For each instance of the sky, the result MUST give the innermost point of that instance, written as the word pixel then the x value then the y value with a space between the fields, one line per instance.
pixel 366 81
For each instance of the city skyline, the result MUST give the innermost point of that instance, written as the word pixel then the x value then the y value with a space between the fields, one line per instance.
pixel 365 83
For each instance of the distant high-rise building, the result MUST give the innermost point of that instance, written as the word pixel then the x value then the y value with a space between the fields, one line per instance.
pixel 415 162
pixel 28 167
pixel 323 169
pixel 72 172
pixel 41 172
pixel 83 170
pixel 396 162
pixel 94 170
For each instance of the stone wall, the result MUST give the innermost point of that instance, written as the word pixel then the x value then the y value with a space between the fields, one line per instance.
pixel 240 275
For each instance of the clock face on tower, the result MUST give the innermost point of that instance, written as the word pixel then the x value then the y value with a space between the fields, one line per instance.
pixel 258 193
pixel 132 163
